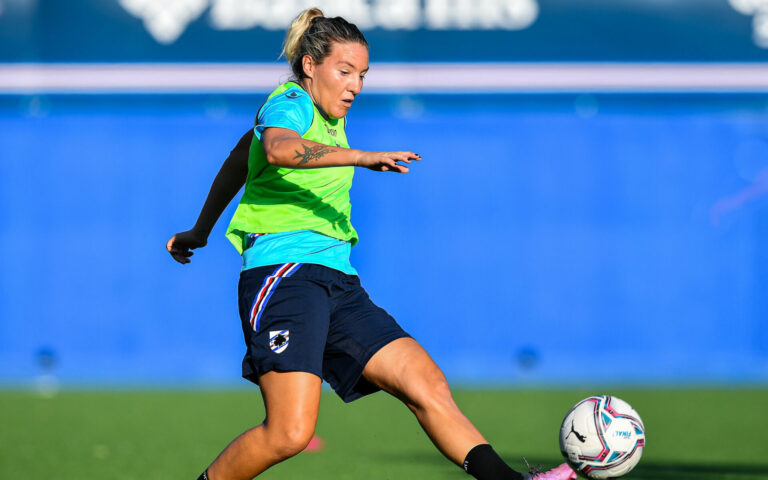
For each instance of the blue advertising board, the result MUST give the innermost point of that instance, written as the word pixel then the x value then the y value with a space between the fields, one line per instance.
pixel 398 30
pixel 563 239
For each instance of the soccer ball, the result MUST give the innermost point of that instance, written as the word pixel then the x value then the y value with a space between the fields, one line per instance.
pixel 602 437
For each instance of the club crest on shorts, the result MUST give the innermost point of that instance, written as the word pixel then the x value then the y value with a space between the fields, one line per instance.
pixel 278 340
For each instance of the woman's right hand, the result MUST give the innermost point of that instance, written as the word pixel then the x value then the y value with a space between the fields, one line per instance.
pixel 386 161
pixel 180 246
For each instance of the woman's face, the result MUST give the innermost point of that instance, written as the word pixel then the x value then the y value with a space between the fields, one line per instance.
pixel 334 83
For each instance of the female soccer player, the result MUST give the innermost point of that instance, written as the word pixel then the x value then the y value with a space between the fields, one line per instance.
pixel 305 316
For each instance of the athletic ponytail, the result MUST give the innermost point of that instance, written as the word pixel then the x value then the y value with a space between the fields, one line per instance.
pixel 296 31
pixel 312 33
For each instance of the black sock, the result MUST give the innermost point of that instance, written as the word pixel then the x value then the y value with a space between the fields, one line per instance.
pixel 484 463
pixel 204 475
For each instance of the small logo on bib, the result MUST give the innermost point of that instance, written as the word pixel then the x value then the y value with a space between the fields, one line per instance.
pixel 278 340
pixel 293 94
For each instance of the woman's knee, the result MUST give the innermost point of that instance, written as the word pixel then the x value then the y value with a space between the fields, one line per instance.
pixel 289 438
pixel 432 392
pixel 292 401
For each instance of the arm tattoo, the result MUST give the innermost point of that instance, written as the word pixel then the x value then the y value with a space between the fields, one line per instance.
pixel 313 153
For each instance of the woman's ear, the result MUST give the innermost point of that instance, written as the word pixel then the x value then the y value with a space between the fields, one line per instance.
pixel 308 64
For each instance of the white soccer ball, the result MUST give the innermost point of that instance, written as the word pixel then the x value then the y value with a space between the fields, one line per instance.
pixel 602 437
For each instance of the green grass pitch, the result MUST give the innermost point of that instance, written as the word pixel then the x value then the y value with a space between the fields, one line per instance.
pixel 691 434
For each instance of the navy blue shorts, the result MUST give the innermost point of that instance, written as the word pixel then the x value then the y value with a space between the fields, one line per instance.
pixel 310 318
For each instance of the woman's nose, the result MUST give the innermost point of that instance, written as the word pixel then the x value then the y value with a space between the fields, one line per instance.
pixel 356 86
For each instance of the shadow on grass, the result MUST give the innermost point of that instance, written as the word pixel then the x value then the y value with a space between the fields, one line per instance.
pixel 644 470
pixel 699 471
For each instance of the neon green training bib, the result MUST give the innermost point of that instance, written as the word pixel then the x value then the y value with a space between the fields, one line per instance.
pixel 279 199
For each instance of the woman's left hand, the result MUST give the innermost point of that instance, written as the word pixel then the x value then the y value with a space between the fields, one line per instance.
pixel 386 161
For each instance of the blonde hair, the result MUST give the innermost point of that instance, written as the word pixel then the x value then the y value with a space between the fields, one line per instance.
pixel 312 33
pixel 299 25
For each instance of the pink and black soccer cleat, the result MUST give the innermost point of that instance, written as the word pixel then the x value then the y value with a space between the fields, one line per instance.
pixel 562 472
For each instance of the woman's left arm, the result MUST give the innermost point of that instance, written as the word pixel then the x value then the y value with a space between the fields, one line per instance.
pixel 285 148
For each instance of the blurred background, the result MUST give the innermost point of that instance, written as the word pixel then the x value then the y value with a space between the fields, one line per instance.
pixel 592 206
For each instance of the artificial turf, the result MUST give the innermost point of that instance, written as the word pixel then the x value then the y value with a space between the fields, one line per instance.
pixel 144 435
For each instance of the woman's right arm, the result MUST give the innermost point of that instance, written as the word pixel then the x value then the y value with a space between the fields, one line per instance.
pixel 284 147
pixel 228 181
